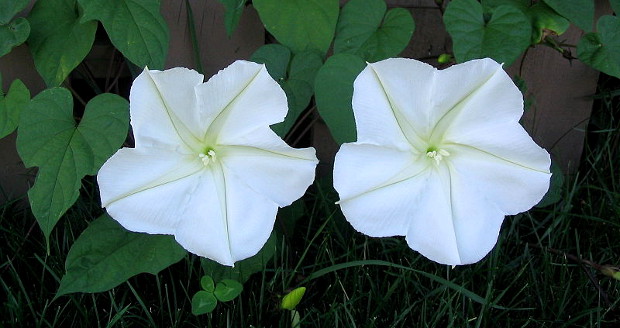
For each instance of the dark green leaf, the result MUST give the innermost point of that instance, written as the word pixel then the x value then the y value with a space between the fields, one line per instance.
pixel 290 300
pixel 365 29
pixel 502 34
pixel 13 34
pixel 11 106
pixel 58 40
pixel 136 28
pixel 601 50
pixel 234 10
pixel 519 4
pixel 276 57
pixel 300 24
pixel 48 138
pixel 203 302
pixel 615 5
pixel 206 282
pixel 579 12
pixel 10 8
pixel 554 194
pixel 298 96
pixel 227 290
pixel 333 89
pixel 299 87
pixel 243 269
pixel 106 255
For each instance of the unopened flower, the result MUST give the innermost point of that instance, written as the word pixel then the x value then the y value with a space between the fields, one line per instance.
pixel 440 157
pixel 206 167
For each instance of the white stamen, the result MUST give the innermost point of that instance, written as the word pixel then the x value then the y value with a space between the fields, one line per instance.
pixel 207 158
pixel 438 155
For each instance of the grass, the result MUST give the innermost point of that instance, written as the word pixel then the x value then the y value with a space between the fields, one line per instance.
pixel 538 275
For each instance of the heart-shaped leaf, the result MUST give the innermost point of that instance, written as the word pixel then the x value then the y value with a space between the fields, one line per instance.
pixel 227 290
pixel 333 89
pixel 276 57
pixel 49 138
pixel 502 34
pixel 58 40
pixel 11 106
pixel 136 28
pixel 13 34
pixel 601 50
pixel 580 12
pixel 206 282
pixel 300 24
pixel 365 29
pixel 296 78
pixel 299 87
pixel 10 8
pixel 615 5
pixel 203 302
pixel 234 10
pixel 106 255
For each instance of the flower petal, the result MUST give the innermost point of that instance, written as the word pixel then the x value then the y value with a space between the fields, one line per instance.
pixel 226 221
pixel 453 223
pixel 478 90
pixel 390 102
pixel 513 185
pixel 376 194
pixel 269 166
pixel 360 168
pixel 163 108
pixel 147 199
pixel 239 99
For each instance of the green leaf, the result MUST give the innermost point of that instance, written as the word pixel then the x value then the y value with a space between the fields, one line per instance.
pixel 300 24
pixel 10 8
pixel 365 29
pixel 579 12
pixel 296 78
pixel 243 269
pixel 13 34
pixel 290 300
pixel 136 28
pixel 276 57
pixel 615 5
pixel 11 106
pixel 333 89
pixel 299 87
pixel 48 138
pixel 545 19
pixel 106 255
pixel 519 4
pixel 203 302
pixel 502 34
pixel 58 40
pixel 227 289
pixel 234 10
pixel 206 282
pixel 601 50
pixel 554 194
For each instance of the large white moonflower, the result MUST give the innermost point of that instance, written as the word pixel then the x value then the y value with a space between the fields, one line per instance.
pixel 206 167
pixel 440 157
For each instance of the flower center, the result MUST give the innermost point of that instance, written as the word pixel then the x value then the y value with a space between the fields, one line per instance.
pixel 208 157
pixel 436 154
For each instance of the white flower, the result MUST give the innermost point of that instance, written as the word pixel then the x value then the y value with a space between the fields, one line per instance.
pixel 206 167
pixel 440 157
